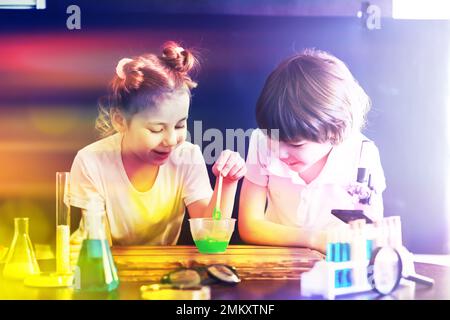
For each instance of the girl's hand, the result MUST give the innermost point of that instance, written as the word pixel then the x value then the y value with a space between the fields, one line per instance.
pixel 231 165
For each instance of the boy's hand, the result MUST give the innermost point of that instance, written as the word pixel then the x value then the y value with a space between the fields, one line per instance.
pixel 231 165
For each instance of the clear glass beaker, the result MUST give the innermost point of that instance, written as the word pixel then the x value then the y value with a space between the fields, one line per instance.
pixel 62 223
pixel 20 261
pixel 95 270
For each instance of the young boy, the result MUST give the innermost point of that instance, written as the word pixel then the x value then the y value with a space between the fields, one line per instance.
pixel 303 160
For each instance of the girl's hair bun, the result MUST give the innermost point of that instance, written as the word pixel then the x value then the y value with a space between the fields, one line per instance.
pixel 176 57
pixel 139 81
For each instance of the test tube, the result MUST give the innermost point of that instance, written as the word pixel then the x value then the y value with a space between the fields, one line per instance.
pixel 355 274
pixel 359 251
pixel 378 234
pixel 346 280
pixel 330 245
pixel 337 257
pixel 395 231
pixel 360 227
pixel 386 232
pixel 62 223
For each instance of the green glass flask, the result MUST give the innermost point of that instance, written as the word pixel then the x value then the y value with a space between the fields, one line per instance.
pixel 95 270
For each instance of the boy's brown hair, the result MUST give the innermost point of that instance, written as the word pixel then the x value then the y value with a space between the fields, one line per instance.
pixel 312 96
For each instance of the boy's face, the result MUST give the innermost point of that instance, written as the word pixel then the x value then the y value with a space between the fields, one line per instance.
pixel 153 133
pixel 301 155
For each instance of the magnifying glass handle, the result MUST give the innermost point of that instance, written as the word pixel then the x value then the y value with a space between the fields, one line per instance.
pixel 420 279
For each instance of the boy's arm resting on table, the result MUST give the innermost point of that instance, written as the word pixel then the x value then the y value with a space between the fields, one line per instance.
pixel 254 228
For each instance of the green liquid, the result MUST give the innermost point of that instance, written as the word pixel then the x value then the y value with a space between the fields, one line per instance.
pixel 209 245
pixel 96 269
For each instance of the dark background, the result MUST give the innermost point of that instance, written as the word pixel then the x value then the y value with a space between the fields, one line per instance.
pixel 51 78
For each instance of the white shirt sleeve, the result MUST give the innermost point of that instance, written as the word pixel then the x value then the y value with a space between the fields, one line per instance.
pixel 85 186
pixel 376 209
pixel 378 178
pixel 196 184
pixel 256 157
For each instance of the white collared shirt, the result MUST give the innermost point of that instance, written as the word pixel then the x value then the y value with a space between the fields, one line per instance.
pixel 292 202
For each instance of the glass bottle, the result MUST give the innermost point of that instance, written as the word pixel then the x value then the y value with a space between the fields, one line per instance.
pixel 20 261
pixel 95 270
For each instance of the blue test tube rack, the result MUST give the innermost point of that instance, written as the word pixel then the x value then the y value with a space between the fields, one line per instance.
pixel 326 286
pixel 344 272
pixel 329 279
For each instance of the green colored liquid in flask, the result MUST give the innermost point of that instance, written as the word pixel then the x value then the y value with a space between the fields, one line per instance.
pixel 96 271
pixel 210 245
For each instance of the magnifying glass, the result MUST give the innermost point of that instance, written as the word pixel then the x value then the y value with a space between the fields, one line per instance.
pixel 388 266
pixel 203 275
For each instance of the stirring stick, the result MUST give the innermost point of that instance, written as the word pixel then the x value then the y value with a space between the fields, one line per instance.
pixel 217 214
pixel 219 191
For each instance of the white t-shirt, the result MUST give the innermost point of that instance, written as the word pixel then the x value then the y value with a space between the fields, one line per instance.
pixel 292 202
pixel 153 217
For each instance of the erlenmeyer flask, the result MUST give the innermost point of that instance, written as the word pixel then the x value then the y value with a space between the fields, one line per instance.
pixel 95 270
pixel 20 261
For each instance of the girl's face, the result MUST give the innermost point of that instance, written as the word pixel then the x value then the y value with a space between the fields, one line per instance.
pixel 299 156
pixel 153 133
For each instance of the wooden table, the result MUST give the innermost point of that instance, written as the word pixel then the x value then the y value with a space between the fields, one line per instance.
pixel 150 263
pixel 253 262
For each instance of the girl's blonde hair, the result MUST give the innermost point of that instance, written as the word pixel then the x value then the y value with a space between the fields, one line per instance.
pixel 143 80
pixel 312 96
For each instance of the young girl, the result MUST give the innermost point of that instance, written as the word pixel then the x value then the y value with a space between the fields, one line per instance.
pixel 143 172
pixel 304 158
